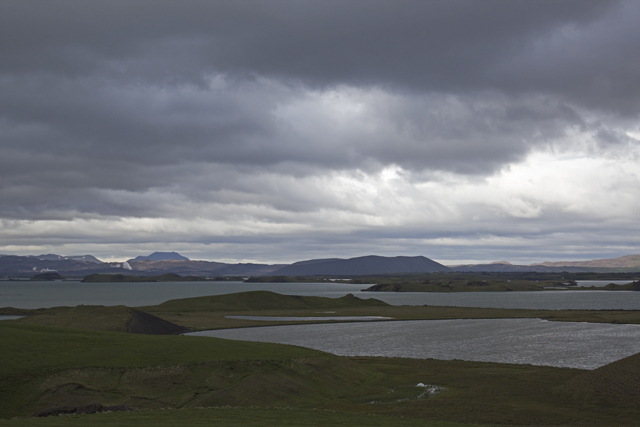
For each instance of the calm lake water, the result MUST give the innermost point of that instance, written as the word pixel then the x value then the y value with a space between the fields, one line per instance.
pixel 530 341
pixel 600 283
pixel 23 294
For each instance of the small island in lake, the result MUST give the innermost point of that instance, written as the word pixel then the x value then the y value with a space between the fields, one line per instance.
pixel 49 275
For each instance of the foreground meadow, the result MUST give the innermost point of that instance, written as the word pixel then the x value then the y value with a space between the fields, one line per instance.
pixel 172 379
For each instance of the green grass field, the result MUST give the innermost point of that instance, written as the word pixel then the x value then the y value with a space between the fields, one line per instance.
pixel 171 380
pixel 51 367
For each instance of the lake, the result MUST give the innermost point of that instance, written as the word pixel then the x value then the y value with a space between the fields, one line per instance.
pixel 530 341
pixel 534 341
pixel 600 283
pixel 27 294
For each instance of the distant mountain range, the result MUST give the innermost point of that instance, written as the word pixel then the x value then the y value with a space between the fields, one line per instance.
pixel 154 264
pixel 511 268
pixel 371 264
pixel 53 257
pixel 159 263
pixel 625 263
pixel 26 266
pixel 201 268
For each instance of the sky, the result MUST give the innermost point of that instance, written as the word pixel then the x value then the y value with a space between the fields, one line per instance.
pixel 277 131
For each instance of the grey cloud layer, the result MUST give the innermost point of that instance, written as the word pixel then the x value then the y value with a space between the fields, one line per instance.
pixel 170 109
pixel 434 45
pixel 76 136
pixel 452 45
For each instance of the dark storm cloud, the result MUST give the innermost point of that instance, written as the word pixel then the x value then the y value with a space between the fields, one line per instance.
pixel 165 109
pixel 67 142
pixel 430 45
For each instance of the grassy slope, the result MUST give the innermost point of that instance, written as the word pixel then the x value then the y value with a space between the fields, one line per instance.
pixel 47 367
pixel 38 364
pixel 94 317
pixel 615 385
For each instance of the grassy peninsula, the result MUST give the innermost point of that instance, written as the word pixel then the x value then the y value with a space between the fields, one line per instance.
pixel 209 312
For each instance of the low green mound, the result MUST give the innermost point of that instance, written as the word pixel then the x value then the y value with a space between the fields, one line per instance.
pixel 27 347
pixel 615 384
pixel 262 300
pixel 633 286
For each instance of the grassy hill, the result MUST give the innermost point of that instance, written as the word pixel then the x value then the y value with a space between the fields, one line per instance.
pixel 93 317
pixel 263 300
pixel 616 384
pixel 99 318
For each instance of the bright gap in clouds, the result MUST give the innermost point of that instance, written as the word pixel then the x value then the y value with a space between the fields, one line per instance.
pixel 538 202
pixel 341 171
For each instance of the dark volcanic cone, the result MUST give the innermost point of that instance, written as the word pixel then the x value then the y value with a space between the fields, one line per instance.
pixel 145 323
